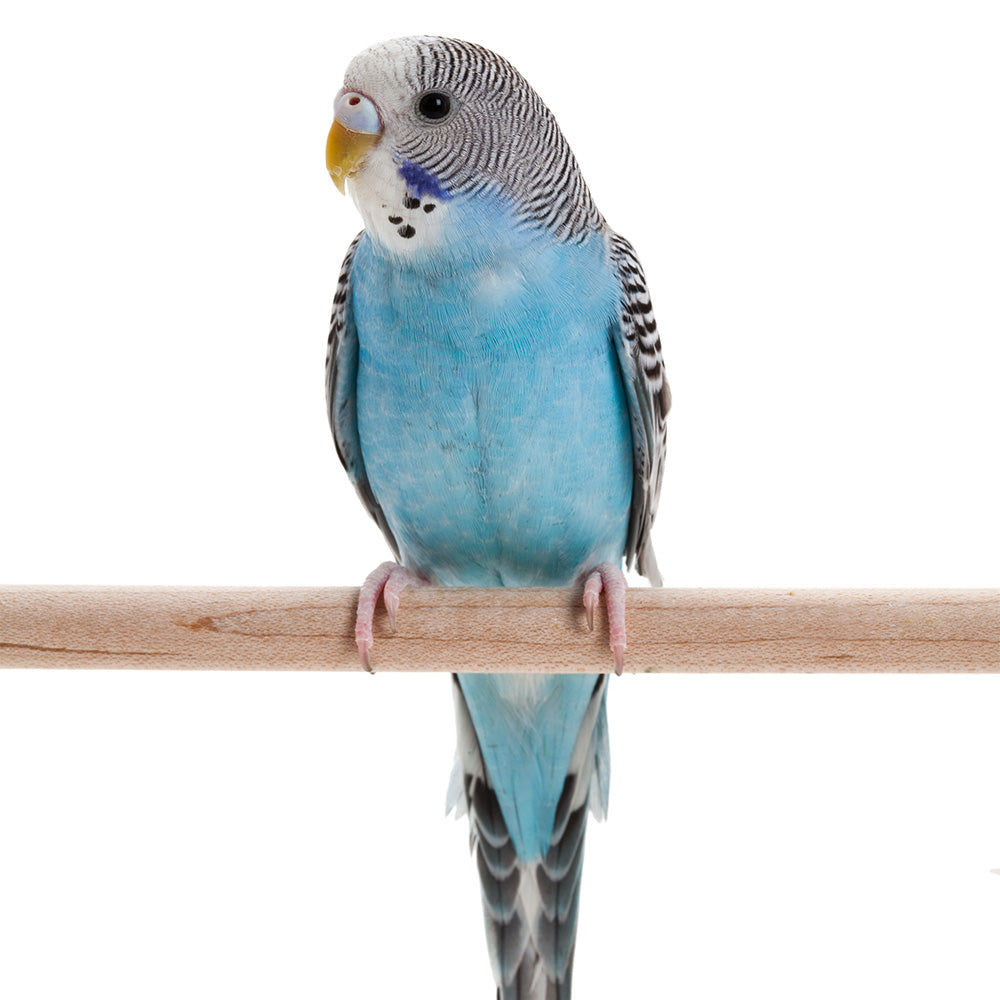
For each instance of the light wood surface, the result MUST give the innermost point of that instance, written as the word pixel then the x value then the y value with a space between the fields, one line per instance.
pixel 456 629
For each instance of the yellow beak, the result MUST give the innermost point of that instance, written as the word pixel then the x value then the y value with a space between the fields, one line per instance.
pixel 345 151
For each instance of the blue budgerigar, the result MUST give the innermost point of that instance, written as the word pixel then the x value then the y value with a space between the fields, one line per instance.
pixel 497 396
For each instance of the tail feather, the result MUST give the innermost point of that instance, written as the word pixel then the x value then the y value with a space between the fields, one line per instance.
pixel 500 892
pixel 558 880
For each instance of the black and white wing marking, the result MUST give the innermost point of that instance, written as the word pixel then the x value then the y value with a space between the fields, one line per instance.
pixel 641 361
pixel 341 393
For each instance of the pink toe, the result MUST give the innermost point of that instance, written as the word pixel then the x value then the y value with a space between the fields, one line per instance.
pixel 591 596
pixel 386 581
pixel 371 590
pixel 399 579
pixel 368 597
pixel 609 579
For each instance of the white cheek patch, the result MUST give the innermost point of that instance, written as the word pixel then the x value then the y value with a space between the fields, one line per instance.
pixel 395 216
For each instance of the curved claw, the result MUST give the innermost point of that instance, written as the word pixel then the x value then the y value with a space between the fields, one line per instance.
pixel 619 652
pixel 591 597
pixel 364 648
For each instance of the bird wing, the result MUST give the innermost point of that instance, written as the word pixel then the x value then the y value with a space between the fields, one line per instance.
pixel 341 393
pixel 638 346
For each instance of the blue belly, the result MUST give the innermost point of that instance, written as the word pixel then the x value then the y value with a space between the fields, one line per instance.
pixel 492 416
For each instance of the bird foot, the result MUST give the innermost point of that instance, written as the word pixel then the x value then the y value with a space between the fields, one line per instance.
pixel 387 581
pixel 609 578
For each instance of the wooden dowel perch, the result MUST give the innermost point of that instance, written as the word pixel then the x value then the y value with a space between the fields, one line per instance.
pixel 453 629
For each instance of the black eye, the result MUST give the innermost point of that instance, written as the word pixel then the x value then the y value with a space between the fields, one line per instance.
pixel 434 106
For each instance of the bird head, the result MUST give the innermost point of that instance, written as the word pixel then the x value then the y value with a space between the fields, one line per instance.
pixel 423 125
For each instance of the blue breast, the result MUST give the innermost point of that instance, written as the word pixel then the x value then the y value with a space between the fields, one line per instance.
pixel 491 412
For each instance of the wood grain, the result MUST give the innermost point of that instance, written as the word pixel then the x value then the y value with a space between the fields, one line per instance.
pixel 513 629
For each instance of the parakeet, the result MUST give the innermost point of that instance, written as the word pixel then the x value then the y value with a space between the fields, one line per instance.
pixel 497 395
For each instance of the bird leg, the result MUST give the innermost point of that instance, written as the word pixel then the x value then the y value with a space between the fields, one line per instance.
pixel 609 578
pixel 387 581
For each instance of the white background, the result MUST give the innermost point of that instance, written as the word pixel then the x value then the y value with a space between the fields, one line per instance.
pixel 812 188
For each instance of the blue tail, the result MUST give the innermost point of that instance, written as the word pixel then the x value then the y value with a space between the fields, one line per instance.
pixel 532 760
